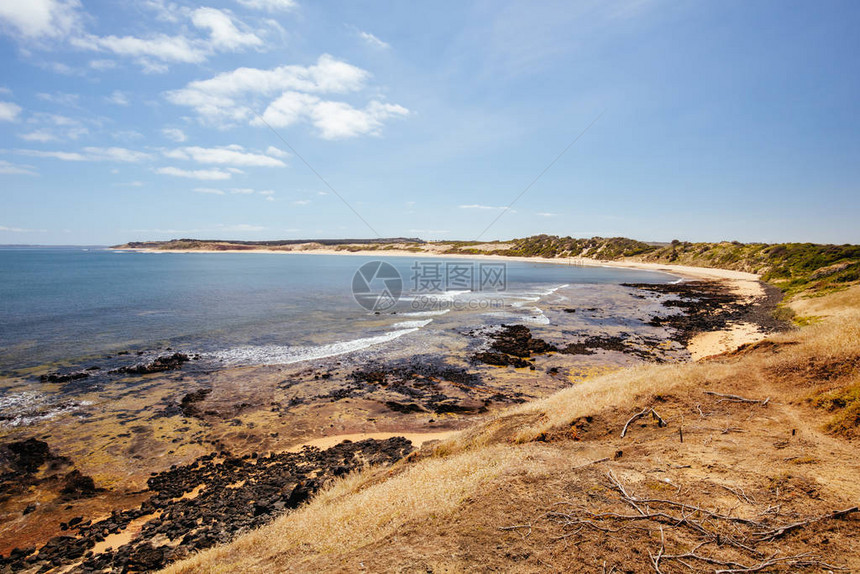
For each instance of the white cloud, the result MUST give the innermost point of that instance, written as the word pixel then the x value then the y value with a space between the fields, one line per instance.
pixel 36 19
pixel 54 127
pixel 221 99
pixel 275 152
pixel 209 190
pixel 267 192
pixel 60 98
pixel 302 202
pixel 546 214
pixel 269 5
pixel 118 97
pixel 372 40
pixel 242 190
pixel 174 134
pixel 228 155
pixel 478 206
pixel 62 155
pixel 41 136
pixel 202 174
pixel 334 120
pixel 127 135
pixel 161 47
pixel 116 154
pixel 20 230
pixel 9 111
pixel 223 32
pixel 102 65
pixel 8 168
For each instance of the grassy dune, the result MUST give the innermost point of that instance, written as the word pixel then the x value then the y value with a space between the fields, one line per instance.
pixel 765 482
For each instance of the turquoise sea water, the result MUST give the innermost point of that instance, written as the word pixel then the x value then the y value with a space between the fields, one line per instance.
pixel 71 303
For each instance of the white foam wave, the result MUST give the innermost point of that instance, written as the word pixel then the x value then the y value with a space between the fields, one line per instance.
pixel 412 324
pixel 552 290
pixel 425 313
pixel 537 319
pixel 285 355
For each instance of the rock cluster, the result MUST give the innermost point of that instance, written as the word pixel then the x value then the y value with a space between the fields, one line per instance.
pixel 195 506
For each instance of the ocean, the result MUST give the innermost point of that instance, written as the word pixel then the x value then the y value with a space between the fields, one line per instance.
pixel 62 306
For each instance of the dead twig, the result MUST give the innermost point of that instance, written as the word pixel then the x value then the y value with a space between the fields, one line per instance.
pixel 775 533
pixel 737 399
pixel 637 416
pixel 741 495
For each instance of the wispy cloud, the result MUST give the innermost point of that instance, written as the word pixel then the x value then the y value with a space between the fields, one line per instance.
pixel 9 111
pixel 479 206
pixel 372 40
pixel 60 98
pixel 118 97
pixel 8 168
pixel 116 154
pixel 174 134
pixel 20 230
pixel 270 5
pixel 202 174
pixel 546 214
pixel 227 155
pixel 208 190
pixel 302 202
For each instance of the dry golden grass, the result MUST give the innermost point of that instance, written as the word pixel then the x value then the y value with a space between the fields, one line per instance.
pixel 813 369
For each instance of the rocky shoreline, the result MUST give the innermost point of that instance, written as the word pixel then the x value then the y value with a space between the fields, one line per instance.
pixel 233 438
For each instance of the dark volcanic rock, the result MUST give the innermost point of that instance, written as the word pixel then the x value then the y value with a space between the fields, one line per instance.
pixel 235 495
pixel 64 377
pixel 188 406
pixel 161 364
pixel 29 455
pixel 77 485
pixel 404 407
pixel 517 340
pixel 511 346
pixel 501 360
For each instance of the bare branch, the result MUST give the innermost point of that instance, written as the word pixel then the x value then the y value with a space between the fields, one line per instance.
pixel 637 416
pixel 737 399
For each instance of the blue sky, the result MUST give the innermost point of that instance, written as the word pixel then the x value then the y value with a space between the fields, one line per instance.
pixel 129 120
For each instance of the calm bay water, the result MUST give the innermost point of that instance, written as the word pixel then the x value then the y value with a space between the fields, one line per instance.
pixel 66 304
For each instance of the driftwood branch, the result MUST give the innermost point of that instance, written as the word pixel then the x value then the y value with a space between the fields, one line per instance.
pixel 637 416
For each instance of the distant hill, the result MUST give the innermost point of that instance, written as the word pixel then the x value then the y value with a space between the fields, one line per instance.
pixel 791 266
